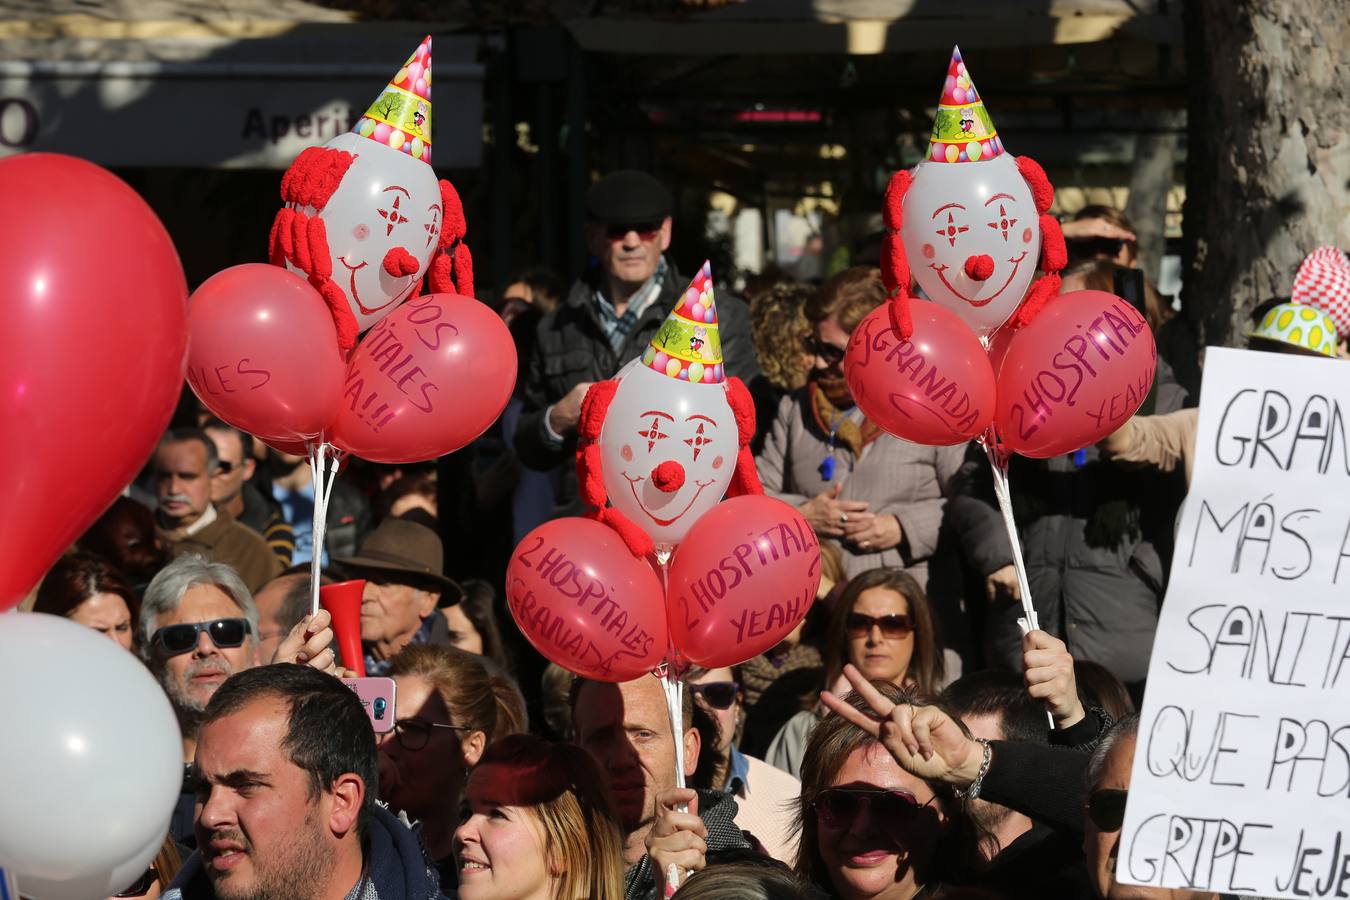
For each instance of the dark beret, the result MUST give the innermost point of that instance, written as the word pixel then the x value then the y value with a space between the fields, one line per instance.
pixel 627 197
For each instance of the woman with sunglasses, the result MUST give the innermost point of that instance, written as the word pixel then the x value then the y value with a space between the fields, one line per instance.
pixel 538 824
pixel 877 497
pixel 157 876
pixel 448 707
pixel 762 792
pixel 884 626
pixel 870 828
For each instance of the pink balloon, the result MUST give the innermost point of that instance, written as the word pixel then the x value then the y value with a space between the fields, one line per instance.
pixel 585 602
pixel 1073 375
pixel 936 388
pixel 263 353
pixel 742 579
pixel 427 379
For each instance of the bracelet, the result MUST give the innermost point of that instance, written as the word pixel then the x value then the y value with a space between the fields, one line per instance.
pixel 973 792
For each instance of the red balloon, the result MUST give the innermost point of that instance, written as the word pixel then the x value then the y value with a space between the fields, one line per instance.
pixel 427 379
pixel 94 346
pixel 585 602
pixel 1073 375
pixel 263 353
pixel 741 580
pixel 936 388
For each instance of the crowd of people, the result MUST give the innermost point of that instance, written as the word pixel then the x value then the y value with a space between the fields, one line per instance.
pixel 906 740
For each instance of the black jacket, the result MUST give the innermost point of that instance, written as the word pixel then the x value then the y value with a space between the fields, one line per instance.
pixel 571 347
pixel 395 867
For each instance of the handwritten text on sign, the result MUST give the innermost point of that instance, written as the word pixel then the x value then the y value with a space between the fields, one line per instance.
pixel 1241 779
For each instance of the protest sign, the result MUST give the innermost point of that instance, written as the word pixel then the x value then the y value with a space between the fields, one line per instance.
pixel 1242 767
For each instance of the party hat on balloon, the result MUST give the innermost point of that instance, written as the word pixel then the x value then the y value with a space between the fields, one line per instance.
pixel 687 345
pixel 962 129
pixel 400 117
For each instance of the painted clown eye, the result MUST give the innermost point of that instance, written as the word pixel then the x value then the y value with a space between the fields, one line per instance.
pixel 656 429
pixel 951 229
pixel 1003 221
pixel 389 210
pixel 700 438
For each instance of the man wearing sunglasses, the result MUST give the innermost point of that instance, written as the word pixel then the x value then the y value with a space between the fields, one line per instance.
pixel 185 465
pixel 610 315
pixel 232 491
pixel 198 627
pixel 762 792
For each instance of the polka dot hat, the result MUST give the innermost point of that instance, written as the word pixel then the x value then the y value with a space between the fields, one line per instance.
pixel 687 345
pixel 400 117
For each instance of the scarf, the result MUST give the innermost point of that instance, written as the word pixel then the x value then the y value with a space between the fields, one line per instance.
pixel 847 432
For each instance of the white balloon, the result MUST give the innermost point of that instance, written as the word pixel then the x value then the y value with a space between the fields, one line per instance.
pixel 386 199
pixel 90 761
pixel 954 211
pixel 654 419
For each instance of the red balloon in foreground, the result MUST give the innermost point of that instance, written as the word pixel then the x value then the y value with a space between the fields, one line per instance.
pixel 585 602
pixel 264 354
pixel 93 352
pixel 1073 375
pixel 426 380
pixel 741 580
pixel 936 388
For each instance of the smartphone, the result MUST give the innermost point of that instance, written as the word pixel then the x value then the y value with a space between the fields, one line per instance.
pixel 377 696
pixel 1129 286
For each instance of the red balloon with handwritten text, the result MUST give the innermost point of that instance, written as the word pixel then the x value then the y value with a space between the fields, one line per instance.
pixel 263 353
pixel 936 388
pixel 742 579
pixel 1073 375
pixel 584 601
pixel 426 380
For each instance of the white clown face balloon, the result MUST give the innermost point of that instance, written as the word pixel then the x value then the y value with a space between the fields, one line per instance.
pixel 688 429
pixel 387 202
pixel 955 213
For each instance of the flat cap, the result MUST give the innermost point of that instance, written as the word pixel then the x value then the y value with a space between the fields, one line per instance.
pixel 627 197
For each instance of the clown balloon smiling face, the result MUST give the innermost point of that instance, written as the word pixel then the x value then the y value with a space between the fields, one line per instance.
pixel 382 224
pixel 669 450
pixel 973 238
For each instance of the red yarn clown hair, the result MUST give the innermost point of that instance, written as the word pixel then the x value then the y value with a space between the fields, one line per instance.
pixel 595 407
pixel 302 240
pixel 895 272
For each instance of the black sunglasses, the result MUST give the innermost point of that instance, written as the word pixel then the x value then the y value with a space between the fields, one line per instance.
pixel 838 807
pixel 1106 809
pixel 413 734
pixel 646 231
pixel 225 467
pixel 717 694
pixel 892 626
pixel 141 886
pixel 831 354
pixel 224 633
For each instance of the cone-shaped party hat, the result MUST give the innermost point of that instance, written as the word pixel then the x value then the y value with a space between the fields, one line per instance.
pixel 962 129
pixel 687 345
pixel 401 116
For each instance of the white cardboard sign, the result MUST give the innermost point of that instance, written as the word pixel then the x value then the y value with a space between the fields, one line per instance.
pixel 1241 780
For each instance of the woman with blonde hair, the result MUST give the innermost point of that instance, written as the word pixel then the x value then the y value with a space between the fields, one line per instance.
pixel 540 825
pixel 449 706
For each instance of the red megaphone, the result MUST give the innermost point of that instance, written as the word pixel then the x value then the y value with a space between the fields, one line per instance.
pixel 343 602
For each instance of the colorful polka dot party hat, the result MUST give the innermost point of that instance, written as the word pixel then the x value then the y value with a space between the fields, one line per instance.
pixel 687 345
pixel 401 116
pixel 962 129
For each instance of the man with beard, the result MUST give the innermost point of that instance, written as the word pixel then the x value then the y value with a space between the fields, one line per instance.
pixel 285 782
pixel 185 465
pixel 198 627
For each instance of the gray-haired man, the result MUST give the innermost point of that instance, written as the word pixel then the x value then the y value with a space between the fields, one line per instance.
pixel 198 627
